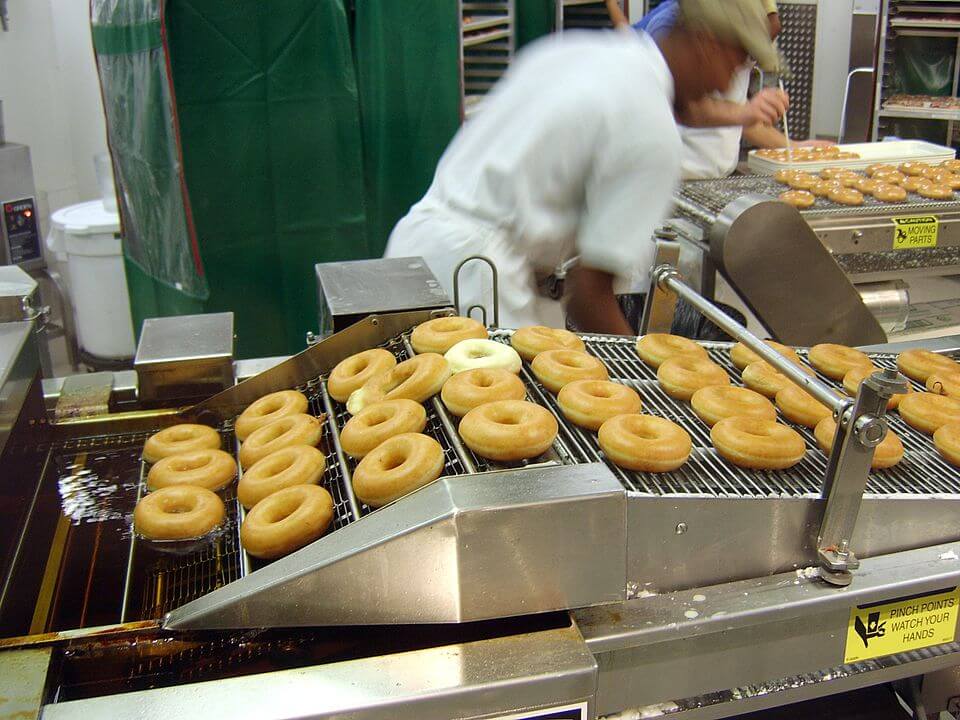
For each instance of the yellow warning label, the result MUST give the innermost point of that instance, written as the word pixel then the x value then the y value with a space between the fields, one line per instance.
pixel 901 625
pixel 916 231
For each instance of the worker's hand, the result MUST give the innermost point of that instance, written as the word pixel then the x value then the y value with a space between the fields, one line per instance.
pixel 814 143
pixel 764 108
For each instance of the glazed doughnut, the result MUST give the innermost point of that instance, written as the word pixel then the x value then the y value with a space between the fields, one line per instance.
pixel 846 196
pixel 855 376
pixel 850 181
pixel 835 361
pixel 178 512
pixel 889 193
pixel 645 443
pixel 930 172
pixel 396 467
pixel 942 177
pixel 286 521
pixel 299 429
pixel 879 168
pixel 935 192
pixel 801 407
pixel 944 384
pixel 832 173
pixel 713 404
pixel 509 430
pixel 919 364
pixel 887 454
pixel 269 408
pixel 467 390
pixel 294 465
pixel 741 355
pixel 867 185
pixel 892 178
pixel 415 379
pixel 555 368
pixel 180 439
pixel 472 354
pixel 951 165
pixel 352 373
pixel 379 422
pixel 765 379
pixel 798 198
pixel 912 168
pixel 783 176
pixel 757 444
pixel 847 156
pixel 823 188
pixel 802 181
pixel 928 412
pixel 208 468
pixel 947 441
pixel 590 403
pixel 914 183
pixel 681 376
pixel 654 348
pixel 532 340
pixel 441 334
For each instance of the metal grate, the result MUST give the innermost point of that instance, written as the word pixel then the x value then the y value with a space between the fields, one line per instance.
pixel 796 42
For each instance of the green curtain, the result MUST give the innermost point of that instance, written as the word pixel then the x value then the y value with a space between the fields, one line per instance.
pixel 535 18
pixel 407 60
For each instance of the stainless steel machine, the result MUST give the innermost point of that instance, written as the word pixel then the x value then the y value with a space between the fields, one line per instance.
pixel 562 588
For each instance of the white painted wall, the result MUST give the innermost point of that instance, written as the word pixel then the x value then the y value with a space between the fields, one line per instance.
pixel 51 98
pixel 831 62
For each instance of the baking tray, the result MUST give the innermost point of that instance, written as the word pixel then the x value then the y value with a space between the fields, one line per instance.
pixel 893 152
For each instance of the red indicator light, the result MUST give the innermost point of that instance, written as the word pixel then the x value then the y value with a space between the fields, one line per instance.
pixel 27 213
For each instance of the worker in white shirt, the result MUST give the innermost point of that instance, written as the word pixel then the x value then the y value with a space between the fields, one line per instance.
pixel 713 126
pixel 576 152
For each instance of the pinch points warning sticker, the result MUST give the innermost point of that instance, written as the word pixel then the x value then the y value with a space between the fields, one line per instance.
pixel 900 625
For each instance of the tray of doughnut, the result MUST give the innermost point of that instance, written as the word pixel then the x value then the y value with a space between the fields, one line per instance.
pixel 853 156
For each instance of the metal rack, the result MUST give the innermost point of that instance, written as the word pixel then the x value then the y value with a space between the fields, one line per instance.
pixel 585 14
pixel 913 18
pixel 487 44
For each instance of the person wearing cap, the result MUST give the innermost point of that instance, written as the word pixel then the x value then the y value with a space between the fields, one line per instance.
pixel 576 152
pixel 713 126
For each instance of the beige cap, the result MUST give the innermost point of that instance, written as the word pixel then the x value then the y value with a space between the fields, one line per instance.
pixel 740 21
pixel 770 6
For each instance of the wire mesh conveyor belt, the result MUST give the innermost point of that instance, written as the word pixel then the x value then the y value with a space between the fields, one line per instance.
pixel 158 580
pixel 714 195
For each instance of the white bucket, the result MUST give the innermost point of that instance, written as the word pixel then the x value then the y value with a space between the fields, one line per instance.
pixel 89 236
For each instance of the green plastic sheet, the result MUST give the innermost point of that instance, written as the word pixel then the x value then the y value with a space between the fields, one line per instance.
pixel 407 59
pixel 535 18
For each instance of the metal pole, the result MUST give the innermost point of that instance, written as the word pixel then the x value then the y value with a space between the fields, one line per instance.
pixel 668 278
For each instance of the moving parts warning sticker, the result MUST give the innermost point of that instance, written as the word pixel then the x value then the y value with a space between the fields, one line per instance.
pixel 908 624
pixel 916 231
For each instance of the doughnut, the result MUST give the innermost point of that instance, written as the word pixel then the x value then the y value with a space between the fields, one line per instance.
pixel 889 193
pixel 847 156
pixel 757 444
pixel 286 521
pixel 919 364
pixel 879 168
pixel 801 407
pixel 802 181
pixel 935 192
pixel 947 441
pixel 269 408
pixel 846 196
pixel 180 439
pixel 914 183
pixel 379 422
pixel 555 368
pixel 532 340
pixel 681 376
pixel 207 468
pixel 299 429
pixel 415 379
pixel 823 188
pixel 783 176
pixel 590 403
pixel 832 173
pixel 951 165
pixel 508 430
pixel 441 334
pixel 930 172
pixel 471 354
pixel 927 412
pixel 797 198
pixel 178 512
pixel 644 442
pixel 654 348
pixel 912 168
pixel 467 390
pixel 294 465
pixel 396 467
pixel 855 376
pixel 835 361
pixel 891 178
pixel 765 379
pixel 939 176
pixel 741 355
pixel 850 181
pixel 716 402
pixel 887 454
pixel 352 373
pixel 947 383
pixel 867 185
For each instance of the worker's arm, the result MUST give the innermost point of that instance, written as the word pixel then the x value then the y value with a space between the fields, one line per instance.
pixel 766 107
pixel 766 136
pixel 591 303
pixel 616 14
